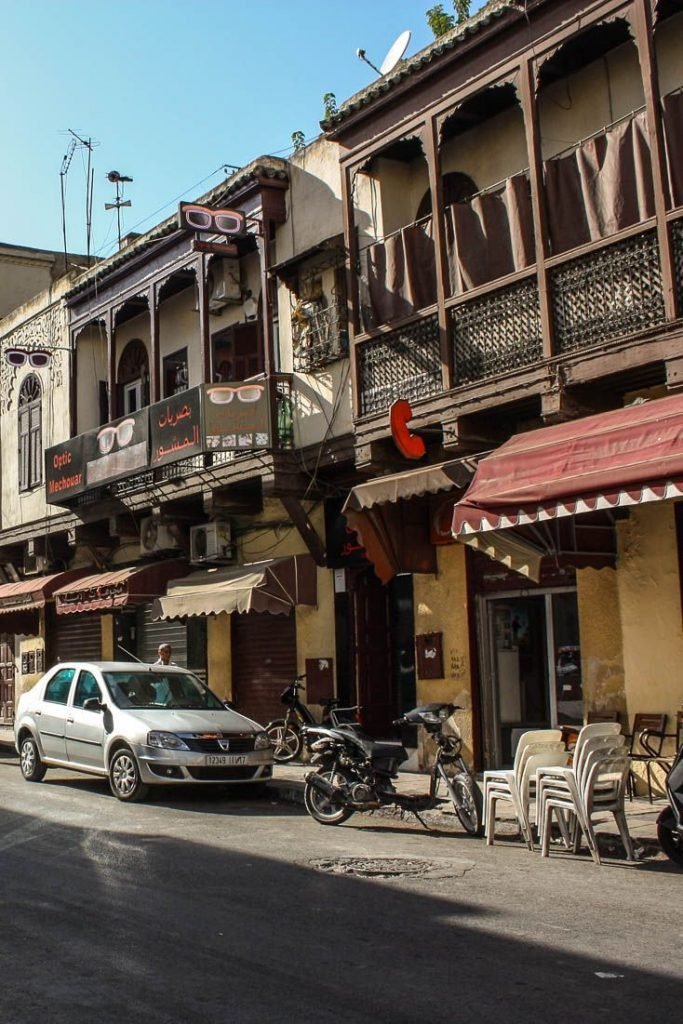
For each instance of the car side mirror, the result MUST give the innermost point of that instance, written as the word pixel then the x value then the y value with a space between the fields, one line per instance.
pixel 93 704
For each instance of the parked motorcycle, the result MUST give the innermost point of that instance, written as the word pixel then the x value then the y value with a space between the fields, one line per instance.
pixel 355 773
pixel 287 734
pixel 670 821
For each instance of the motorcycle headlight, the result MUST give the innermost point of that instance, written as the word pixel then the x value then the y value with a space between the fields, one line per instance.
pixel 166 740
pixel 261 742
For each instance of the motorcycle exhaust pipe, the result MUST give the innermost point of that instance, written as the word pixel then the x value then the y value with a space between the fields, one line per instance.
pixel 325 787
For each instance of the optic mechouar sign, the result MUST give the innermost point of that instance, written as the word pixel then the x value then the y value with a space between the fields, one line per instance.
pixel 230 416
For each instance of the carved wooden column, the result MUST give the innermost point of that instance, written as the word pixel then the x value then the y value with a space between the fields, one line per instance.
pixel 109 326
pixel 155 358
pixel 200 269
pixel 351 263
pixel 431 140
pixel 266 302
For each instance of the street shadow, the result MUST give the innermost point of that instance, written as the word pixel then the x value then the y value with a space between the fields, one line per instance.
pixel 104 925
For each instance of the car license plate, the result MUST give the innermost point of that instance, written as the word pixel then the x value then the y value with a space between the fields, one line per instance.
pixel 225 759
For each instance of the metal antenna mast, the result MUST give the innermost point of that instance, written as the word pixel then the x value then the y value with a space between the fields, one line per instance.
pixel 118 180
pixel 88 144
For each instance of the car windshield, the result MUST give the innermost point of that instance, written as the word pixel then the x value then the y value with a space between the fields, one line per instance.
pixel 160 690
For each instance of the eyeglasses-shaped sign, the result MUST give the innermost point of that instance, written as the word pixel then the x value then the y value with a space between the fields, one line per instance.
pixel 38 358
pixel 237 416
pixel 218 222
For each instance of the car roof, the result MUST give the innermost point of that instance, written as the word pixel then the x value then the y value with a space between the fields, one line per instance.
pixel 119 666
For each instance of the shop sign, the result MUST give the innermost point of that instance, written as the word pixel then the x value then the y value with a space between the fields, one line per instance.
pixel 175 427
pixel 237 416
pixel 117 449
pixel 64 471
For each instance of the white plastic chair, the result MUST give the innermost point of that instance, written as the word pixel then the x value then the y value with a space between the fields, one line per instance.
pixel 501 777
pixel 551 781
pixel 514 787
pixel 601 788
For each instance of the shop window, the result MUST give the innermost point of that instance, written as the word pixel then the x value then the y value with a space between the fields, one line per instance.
pixel 175 373
pixel 30 434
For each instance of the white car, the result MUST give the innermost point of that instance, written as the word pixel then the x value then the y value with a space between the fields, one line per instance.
pixel 138 725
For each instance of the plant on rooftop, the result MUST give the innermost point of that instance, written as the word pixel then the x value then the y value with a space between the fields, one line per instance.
pixel 330 102
pixel 440 21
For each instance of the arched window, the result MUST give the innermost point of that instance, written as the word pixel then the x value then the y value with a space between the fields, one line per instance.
pixel 457 188
pixel 133 378
pixel 30 433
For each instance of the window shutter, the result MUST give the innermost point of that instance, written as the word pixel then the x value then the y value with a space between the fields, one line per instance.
pixel 35 446
pixel 24 449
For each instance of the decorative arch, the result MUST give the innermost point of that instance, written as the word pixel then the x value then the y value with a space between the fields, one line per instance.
pixel 132 377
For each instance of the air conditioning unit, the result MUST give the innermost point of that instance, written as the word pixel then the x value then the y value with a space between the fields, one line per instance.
pixel 211 542
pixel 156 536
pixel 225 287
pixel 34 564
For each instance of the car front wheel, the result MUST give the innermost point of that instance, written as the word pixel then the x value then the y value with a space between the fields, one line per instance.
pixel 124 777
pixel 32 768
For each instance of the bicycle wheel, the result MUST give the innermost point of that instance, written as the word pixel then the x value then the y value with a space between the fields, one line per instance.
pixel 467 802
pixel 286 740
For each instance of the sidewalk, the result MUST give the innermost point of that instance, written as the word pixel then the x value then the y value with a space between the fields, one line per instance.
pixel 288 783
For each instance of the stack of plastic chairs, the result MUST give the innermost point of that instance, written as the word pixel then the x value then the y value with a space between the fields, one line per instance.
pixel 595 783
pixel 536 748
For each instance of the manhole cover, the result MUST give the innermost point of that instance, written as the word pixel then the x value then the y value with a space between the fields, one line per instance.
pixel 373 867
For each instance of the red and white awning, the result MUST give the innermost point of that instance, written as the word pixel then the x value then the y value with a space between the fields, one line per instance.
pixel 611 460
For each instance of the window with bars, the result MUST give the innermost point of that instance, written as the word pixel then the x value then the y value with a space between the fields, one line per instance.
pixel 30 434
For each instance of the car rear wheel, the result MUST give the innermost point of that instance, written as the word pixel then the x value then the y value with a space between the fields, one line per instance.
pixel 32 768
pixel 124 777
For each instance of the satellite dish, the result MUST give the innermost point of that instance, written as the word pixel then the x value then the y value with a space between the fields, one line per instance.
pixel 396 51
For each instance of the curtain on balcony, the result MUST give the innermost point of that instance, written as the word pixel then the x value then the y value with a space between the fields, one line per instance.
pixel 673 136
pixel 490 235
pixel 398 275
pixel 601 187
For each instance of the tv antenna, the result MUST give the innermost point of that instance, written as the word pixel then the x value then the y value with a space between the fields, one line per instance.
pixel 394 54
pixel 75 143
pixel 118 180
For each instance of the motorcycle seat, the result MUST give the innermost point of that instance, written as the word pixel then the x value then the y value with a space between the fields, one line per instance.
pixel 383 749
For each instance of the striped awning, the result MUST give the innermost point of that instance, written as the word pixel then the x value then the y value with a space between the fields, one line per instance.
pixel 107 591
pixel 608 461
pixel 32 593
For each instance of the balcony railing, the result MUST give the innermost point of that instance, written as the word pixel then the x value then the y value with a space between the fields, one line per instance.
pixel 319 337
pixel 616 290
pixel 405 363
pixel 677 241
pixel 497 332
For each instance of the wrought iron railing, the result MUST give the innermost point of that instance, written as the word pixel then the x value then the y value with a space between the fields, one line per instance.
pixel 319 337
pixel 405 363
pixel 605 294
pixel 677 242
pixel 497 332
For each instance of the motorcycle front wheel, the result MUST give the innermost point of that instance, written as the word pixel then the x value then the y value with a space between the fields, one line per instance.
pixel 286 740
pixel 467 802
pixel 322 808
pixel 671 841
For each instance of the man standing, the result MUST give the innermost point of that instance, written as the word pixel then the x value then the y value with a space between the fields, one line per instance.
pixel 164 653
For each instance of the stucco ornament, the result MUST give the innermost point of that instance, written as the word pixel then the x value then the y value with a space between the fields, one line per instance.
pixel 45 333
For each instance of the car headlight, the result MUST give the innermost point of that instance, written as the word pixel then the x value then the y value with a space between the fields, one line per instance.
pixel 261 742
pixel 167 740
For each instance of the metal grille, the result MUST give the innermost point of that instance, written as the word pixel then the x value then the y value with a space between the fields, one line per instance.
pixel 403 364
pixel 605 294
pixel 677 239
pixel 319 338
pixel 498 332
pixel 236 744
pixel 284 411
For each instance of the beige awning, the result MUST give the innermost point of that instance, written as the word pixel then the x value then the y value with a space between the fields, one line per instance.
pixel 273 586
pixel 412 483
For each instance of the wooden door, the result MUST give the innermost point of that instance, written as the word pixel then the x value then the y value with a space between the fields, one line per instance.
pixel 371 636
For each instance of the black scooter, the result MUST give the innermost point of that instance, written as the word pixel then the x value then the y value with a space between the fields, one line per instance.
pixel 670 821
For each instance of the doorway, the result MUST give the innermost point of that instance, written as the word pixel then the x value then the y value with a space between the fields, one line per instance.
pixel 531 667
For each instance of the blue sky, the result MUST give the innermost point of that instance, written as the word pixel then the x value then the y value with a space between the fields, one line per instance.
pixel 169 91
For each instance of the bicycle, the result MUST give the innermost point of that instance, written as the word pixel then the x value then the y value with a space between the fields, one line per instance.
pixel 287 734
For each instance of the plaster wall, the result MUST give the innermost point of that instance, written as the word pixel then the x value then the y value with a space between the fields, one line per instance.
pixel 91 346
pixel 178 329
pixel 402 188
pixel 314 209
pixel 441 606
pixel 668 48
pixel 21 280
pixel 40 323
pixel 602 657
pixel 650 604
pixel 583 103
pixel 219 655
pixel 489 153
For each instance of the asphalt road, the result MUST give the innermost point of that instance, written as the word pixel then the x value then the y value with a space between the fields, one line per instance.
pixel 212 907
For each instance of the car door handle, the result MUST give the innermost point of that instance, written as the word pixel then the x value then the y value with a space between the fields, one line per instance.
pixel 38 713
pixel 70 721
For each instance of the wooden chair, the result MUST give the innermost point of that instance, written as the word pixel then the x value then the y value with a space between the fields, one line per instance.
pixel 647 739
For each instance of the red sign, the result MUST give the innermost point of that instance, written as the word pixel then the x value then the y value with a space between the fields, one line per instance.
pixel 410 445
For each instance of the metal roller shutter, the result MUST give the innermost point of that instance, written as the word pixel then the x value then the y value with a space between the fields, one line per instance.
pixel 263 662
pixel 151 634
pixel 75 637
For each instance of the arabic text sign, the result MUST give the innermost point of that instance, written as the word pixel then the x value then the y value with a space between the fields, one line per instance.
pixel 175 427
pixel 237 416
